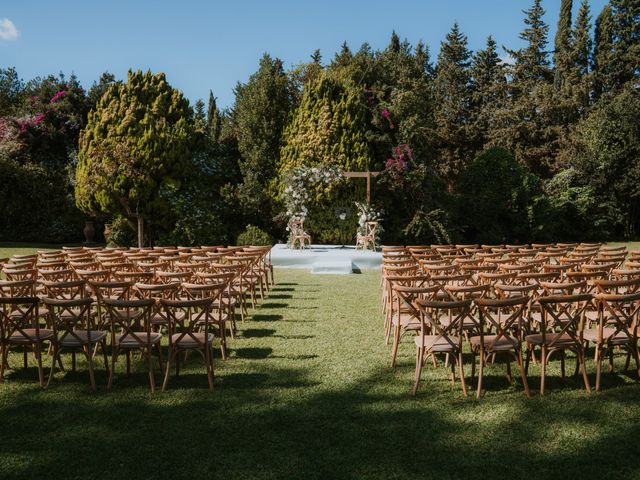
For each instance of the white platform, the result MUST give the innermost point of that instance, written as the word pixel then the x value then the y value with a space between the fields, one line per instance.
pixel 326 259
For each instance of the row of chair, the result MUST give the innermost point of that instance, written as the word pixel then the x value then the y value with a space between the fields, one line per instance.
pixel 76 299
pixel 496 301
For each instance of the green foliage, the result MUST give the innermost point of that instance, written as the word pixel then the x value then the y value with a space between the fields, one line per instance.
pixel 452 95
pixel 36 204
pixel 608 158
pixel 255 236
pixel 496 199
pixel 137 142
pixel 262 108
pixel 122 232
pixel 328 127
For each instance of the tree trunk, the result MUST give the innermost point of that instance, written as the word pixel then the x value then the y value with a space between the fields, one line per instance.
pixel 140 231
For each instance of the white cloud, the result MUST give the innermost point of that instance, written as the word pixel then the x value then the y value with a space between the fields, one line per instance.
pixel 8 30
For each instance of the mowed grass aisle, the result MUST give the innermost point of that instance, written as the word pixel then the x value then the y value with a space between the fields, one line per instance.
pixel 307 393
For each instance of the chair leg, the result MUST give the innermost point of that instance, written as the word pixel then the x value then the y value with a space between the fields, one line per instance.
pixel 38 353
pixel 598 367
pixel 461 367
pixel 543 365
pixel 523 376
pixel 170 356
pixel 152 379
pixel 480 373
pixel 584 371
pixel 207 364
pixel 92 378
pixel 419 355
pixel 54 354
pixel 114 357
pixel 396 342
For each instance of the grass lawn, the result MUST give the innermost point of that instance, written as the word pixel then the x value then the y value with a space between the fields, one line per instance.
pixel 307 393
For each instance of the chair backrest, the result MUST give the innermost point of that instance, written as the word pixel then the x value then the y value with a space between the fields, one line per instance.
pixel 69 317
pixel 563 314
pixel 17 288
pixel 74 289
pixel 620 312
pixel 432 312
pixel 129 318
pixel 501 317
pixel 18 314
pixel 197 319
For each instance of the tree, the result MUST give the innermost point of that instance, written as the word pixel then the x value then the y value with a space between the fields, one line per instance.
pixel 488 92
pixel 328 127
pixel 562 52
pixel 626 41
pixel 260 113
pixel 526 126
pixel 452 96
pixel 136 143
pixel 608 160
pixel 497 199
pixel 603 53
pixel 581 56
pixel 214 119
pixel 100 87
pixel 11 87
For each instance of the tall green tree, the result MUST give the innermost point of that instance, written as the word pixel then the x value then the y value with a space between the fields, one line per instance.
pixel 603 54
pixel 562 58
pixel 452 97
pixel 214 119
pixel 488 92
pixel 137 141
pixel 527 125
pixel 626 37
pixel 261 111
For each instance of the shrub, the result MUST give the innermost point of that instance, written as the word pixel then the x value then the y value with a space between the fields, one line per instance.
pixel 122 233
pixel 253 235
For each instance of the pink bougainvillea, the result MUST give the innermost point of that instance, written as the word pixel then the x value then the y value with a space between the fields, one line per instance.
pixel 57 96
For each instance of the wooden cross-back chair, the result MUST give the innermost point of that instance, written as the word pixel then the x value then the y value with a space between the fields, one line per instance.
pixel 617 327
pixel 74 328
pixel 20 327
pixel 561 329
pixel 131 330
pixel 367 239
pixel 405 316
pixel 297 234
pixel 435 337
pixel 189 329
pixel 501 323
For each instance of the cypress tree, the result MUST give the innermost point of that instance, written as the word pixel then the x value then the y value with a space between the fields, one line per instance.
pixel 214 119
pixel 562 51
pixel 452 100
pixel 488 91
pixel 526 125
pixel 581 55
pixel 603 53
pixel 626 38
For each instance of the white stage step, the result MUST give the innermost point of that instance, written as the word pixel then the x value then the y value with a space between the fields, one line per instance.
pixel 332 267
pixel 326 259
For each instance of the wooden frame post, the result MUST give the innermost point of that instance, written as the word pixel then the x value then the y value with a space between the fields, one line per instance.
pixel 368 175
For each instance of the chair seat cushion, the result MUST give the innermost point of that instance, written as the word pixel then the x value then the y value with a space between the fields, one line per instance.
pixel 137 339
pixel 29 335
pixel 194 340
pixel 504 343
pixel 609 335
pixel 84 337
pixel 437 343
pixel 554 339
pixel 408 322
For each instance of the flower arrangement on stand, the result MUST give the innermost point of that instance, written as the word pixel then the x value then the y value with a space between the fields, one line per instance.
pixel 300 184
pixel 369 213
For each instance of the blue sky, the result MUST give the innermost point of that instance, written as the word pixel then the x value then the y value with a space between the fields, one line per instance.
pixel 203 45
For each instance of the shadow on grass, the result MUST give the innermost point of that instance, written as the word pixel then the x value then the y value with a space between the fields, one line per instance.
pixel 353 432
pixel 254 353
pixel 258 317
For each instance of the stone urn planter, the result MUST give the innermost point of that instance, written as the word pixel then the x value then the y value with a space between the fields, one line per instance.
pixel 89 232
